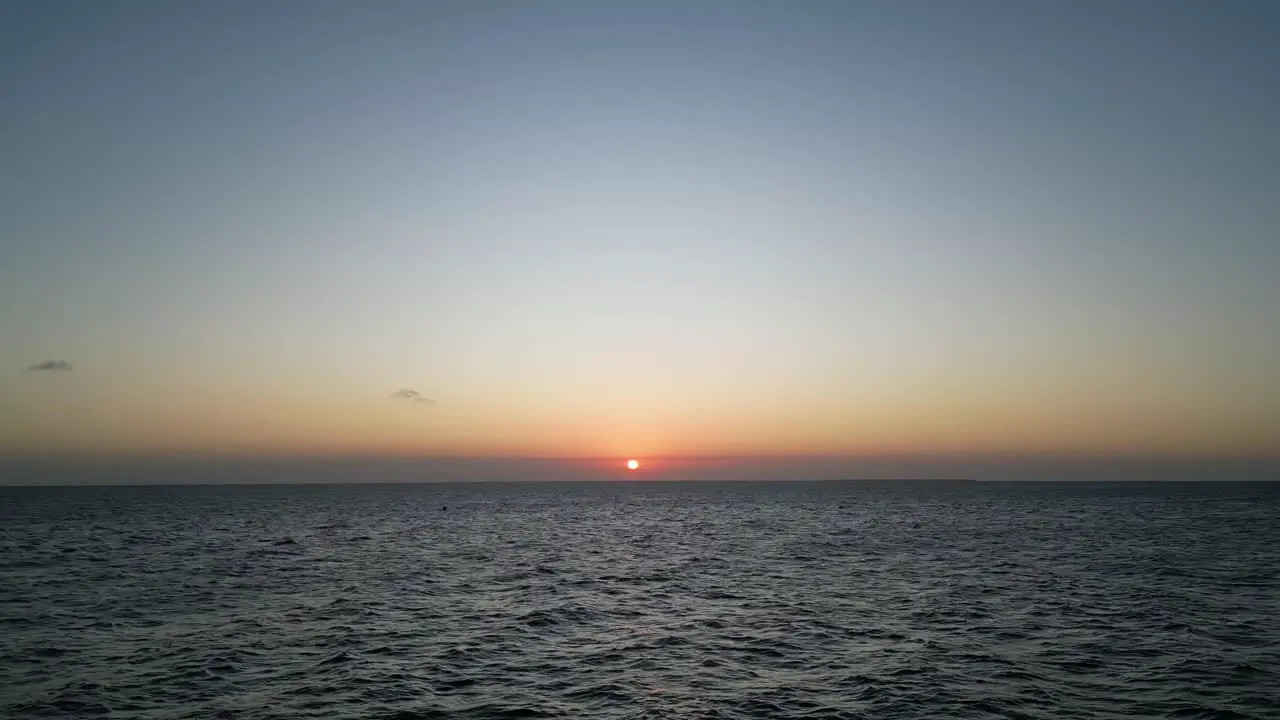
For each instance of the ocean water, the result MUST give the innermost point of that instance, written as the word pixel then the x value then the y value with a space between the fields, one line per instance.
pixel 641 600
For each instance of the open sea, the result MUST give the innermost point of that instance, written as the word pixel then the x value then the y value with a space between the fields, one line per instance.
pixel 642 600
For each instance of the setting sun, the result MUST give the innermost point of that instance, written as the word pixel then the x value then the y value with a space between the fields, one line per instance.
pixel 633 464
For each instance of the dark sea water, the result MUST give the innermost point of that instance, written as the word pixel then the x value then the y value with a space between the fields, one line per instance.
pixel 781 600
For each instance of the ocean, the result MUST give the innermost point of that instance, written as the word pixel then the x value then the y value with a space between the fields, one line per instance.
pixel 641 600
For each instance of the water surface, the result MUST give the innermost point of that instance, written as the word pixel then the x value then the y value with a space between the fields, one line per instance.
pixel 641 600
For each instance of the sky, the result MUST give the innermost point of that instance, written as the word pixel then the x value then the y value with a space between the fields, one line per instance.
pixel 640 229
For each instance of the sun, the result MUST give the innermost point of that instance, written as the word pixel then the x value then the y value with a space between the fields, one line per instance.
pixel 633 464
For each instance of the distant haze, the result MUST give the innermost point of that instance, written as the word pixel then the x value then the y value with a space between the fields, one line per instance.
pixel 84 470
pixel 641 229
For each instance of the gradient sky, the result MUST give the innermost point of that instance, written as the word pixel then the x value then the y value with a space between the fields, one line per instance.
pixel 640 229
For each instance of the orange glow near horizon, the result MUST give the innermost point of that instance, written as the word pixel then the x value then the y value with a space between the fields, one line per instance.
pixel 86 414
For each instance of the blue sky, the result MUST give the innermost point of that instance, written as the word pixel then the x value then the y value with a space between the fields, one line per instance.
pixel 640 228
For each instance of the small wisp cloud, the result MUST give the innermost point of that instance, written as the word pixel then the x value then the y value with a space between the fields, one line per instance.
pixel 413 396
pixel 50 365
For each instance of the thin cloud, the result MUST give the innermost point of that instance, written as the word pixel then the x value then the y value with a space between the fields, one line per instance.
pixel 54 365
pixel 412 396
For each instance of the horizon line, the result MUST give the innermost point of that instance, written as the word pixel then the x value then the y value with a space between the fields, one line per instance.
pixel 660 481
pixel 938 455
